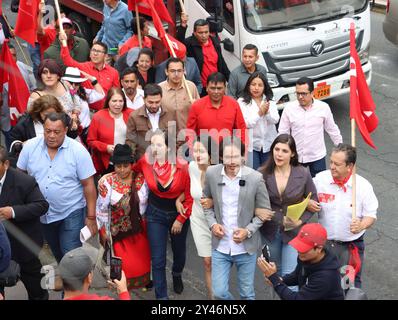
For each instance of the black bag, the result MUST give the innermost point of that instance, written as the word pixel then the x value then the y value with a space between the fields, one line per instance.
pixel 10 276
pixel 14 5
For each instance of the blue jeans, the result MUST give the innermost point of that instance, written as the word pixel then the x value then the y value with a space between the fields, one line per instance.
pixel 159 225
pixel 35 57
pixel 316 166
pixel 221 265
pixel 64 235
pixel 284 256
pixel 259 158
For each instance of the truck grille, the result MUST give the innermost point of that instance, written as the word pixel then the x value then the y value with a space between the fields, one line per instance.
pixel 291 64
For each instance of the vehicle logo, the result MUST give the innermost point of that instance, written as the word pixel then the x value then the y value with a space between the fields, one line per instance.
pixel 317 48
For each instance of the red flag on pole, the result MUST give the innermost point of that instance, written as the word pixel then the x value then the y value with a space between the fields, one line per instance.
pixel 362 106
pixel 26 25
pixel 1 7
pixel 145 7
pixel 18 92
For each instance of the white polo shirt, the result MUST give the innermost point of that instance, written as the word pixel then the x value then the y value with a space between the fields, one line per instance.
pixel 336 209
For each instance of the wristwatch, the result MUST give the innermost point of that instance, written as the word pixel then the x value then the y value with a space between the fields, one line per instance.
pixel 249 234
pixel 94 82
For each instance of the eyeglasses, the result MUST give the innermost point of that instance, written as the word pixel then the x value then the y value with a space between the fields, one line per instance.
pixel 302 94
pixel 97 51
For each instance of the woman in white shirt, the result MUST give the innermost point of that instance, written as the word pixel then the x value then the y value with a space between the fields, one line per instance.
pixel 261 115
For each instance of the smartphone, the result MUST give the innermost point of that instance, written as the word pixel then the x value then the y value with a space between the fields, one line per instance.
pixel 116 268
pixel 266 253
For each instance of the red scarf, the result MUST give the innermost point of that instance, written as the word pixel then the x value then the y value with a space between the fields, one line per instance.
pixel 163 172
pixel 341 183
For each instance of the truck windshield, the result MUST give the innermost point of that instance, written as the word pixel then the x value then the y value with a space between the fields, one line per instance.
pixel 266 15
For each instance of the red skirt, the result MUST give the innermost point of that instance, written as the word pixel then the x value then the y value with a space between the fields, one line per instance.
pixel 136 258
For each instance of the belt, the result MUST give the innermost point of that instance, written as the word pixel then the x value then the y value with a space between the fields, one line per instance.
pixel 346 242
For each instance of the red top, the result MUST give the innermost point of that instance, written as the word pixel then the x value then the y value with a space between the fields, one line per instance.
pixel 181 183
pixel 100 135
pixel 87 296
pixel 210 58
pixel 107 77
pixel 228 116
pixel 46 39
pixel 133 42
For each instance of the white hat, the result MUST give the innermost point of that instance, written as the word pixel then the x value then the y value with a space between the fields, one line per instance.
pixel 66 20
pixel 73 75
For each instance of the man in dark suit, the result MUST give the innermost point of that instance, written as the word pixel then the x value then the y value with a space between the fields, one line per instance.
pixel 21 205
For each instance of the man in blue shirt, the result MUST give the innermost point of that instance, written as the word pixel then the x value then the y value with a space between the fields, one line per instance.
pixel 64 171
pixel 116 26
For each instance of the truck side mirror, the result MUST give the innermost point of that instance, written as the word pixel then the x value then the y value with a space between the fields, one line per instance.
pixel 228 45
pixel 213 6
pixel 215 25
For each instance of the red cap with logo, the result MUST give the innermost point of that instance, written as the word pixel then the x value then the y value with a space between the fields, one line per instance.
pixel 310 236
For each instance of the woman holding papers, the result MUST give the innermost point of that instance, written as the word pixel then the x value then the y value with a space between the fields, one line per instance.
pixel 288 183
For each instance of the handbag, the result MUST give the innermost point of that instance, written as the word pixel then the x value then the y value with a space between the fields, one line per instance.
pixel 10 276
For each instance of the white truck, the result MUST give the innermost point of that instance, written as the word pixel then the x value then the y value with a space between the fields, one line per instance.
pixel 295 38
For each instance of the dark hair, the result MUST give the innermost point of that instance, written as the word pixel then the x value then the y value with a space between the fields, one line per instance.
pixel 306 80
pixel 174 60
pixel 10 46
pixel 250 47
pixel 152 89
pixel 284 138
pixel 134 24
pixel 267 88
pixel 57 116
pixel 232 141
pixel 147 52
pixel 3 154
pixel 51 65
pixel 128 71
pixel 349 150
pixel 73 284
pixel 43 103
pixel 101 44
pixel 216 77
pixel 209 144
pixel 200 23
pixel 112 91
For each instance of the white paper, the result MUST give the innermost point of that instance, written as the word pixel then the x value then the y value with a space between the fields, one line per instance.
pixel 85 234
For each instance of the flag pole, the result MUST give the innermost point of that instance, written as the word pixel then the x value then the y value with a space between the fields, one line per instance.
pixel 61 27
pixel 353 143
pixel 137 14
pixel 16 40
pixel 184 80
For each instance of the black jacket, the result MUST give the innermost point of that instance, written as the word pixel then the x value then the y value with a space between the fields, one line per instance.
pixel 21 192
pixel 194 49
pixel 25 129
pixel 5 250
pixel 320 281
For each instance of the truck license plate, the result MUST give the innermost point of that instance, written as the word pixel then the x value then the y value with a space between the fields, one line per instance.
pixel 322 92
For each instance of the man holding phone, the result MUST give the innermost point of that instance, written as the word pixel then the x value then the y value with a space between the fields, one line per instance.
pixel 77 270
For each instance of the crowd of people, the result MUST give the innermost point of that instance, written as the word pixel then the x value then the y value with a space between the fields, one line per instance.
pixel 141 153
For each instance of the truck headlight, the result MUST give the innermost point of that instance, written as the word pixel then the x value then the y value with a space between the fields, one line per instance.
pixel 272 80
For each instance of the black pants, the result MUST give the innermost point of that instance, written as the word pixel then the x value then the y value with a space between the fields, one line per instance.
pixel 31 278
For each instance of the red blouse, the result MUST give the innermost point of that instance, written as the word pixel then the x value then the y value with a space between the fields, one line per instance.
pixel 181 183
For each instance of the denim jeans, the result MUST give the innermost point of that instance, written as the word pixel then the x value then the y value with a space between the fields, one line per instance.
pixel 35 56
pixel 159 225
pixel 64 235
pixel 221 265
pixel 284 256
pixel 259 158
pixel 316 166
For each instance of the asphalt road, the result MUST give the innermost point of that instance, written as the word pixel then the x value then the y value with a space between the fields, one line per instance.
pixel 380 273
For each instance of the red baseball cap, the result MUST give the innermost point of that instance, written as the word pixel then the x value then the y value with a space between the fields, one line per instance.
pixel 311 235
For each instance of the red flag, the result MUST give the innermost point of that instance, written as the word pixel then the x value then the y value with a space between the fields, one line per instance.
pixel 18 92
pixel 362 106
pixel 145 7
pixel 26 25
pixel 1 7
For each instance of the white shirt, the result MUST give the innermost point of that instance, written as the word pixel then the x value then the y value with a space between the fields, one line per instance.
pixel 262 130
pixel 230 199
pixel 336 210
pixel 120 131
pixel 138 100
pixel 39 129
pixel 154 118
pixel 307 127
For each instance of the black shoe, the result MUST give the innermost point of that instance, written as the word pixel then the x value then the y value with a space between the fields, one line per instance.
pixel 178 286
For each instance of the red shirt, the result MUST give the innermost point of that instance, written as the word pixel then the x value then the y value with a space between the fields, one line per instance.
pixel 133 42
pixel 210 58
pixel 181 183
pixel 46 39
pixel 228 116
pixel 107 77
pixel 87 296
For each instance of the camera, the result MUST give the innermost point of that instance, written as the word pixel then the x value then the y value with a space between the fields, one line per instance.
pixel 266 254
pixel 116 268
